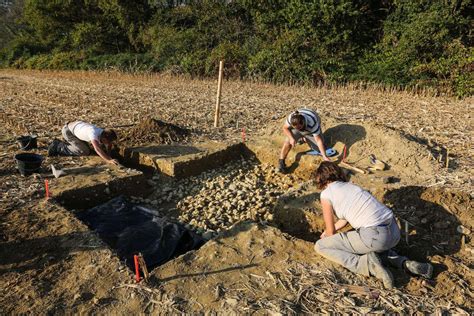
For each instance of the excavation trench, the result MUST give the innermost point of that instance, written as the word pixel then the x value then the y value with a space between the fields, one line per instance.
pixel 194 196
pixel 197 193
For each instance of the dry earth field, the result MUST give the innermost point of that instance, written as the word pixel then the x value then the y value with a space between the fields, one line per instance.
pixel 50 262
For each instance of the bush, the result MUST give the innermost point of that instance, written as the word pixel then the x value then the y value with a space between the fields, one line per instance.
pixel 400 43
pixel 122 62
pixel 423 46
pixel 235 60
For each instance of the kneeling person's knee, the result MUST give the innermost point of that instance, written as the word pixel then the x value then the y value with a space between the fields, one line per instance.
pixel 84 151
pixel 318 247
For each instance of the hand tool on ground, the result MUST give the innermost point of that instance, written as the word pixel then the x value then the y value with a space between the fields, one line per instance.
pixel 330 152
pixel 348 166
pixel 376 164
pixel 57 172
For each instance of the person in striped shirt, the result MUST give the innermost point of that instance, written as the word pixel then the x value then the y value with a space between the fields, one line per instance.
pixel 302 124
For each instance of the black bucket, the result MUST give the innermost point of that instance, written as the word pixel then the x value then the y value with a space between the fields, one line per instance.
pixel 27 142
pixel 28 163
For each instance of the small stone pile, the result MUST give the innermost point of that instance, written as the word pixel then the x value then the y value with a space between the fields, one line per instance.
pixel 217 199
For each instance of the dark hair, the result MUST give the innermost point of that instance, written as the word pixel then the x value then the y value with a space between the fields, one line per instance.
pixel 328 172
pixel 296 119
pixel 109 134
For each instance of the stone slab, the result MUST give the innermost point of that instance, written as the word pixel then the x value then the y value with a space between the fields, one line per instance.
pixel 182 160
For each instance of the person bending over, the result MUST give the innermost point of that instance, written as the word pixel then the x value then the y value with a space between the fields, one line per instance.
pixel 78 135
pixel 306 125
pixel 376 230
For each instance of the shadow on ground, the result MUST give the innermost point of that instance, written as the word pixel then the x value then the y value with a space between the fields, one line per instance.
pixel 24 255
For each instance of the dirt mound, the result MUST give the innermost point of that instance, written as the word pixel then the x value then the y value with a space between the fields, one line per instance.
pixel 258 268
pixel 156 132
pixel 406 160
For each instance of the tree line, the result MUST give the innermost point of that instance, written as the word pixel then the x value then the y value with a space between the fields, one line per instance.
pixel 401 43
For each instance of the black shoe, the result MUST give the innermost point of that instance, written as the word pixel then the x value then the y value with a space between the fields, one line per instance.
pixel 281 166
pixel 417 268
pixel 377 269
pixel 53 148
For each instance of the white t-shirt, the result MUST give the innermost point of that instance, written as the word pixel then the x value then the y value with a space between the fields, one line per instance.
pixel 357 206
pixel 85 131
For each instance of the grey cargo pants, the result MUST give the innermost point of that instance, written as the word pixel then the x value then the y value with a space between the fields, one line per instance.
pixel 74 146
pixel 350 249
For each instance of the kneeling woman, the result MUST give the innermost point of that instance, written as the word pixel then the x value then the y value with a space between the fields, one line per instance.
pixel 376 230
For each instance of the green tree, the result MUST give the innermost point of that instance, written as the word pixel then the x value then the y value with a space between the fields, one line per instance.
pixel 425 43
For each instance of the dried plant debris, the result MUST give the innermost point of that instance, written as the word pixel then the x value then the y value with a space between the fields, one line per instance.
pixel 312 290
pixel 45 249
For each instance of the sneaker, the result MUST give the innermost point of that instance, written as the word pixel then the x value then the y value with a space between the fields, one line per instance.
pixel 281 166
pixel 418 268
pixel 379 271
pixel 53 148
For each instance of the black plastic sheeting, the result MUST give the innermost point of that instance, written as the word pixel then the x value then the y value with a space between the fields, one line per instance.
pixel 129 229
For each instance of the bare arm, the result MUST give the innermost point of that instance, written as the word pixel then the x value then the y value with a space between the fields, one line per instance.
pixel 98 149
pixel 328 218
pixel 322 148
pixel 287 132
pixel 340 224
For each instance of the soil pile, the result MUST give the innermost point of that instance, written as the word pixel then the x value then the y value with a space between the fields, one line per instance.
pixel 154 131
pixel 406 160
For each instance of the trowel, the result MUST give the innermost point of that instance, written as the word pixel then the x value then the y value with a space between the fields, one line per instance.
pixel 376 164
pixel 57 172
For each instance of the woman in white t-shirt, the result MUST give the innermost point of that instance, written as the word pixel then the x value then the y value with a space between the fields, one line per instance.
pixel 78 135
pixel 376 230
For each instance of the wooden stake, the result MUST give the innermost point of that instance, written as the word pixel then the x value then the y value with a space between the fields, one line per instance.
pixel 137 271
pixel 218 101
pixel 142 263
pixel 447 158
pixel 46 187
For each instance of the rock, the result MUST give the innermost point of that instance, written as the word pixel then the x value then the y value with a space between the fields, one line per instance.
pixel 463 230
pixel 261 210
pixel 208 235
pixel 232 302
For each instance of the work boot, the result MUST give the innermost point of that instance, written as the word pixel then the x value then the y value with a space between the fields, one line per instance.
pixel 53 148
pixel 377 269
pixel 418 268
pixel 281 166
